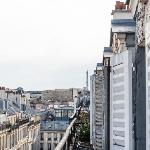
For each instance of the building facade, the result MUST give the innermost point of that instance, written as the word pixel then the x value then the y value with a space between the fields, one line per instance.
pixel 19 126
pixel 140 12
pixel 53 127
pixel 51 134
pixel 121 79
pixel 96 108
pixel 126 62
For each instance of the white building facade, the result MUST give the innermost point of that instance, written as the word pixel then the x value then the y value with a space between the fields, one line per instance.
pixel 121 102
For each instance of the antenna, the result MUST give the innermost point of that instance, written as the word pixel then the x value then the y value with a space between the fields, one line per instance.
pixel 87 78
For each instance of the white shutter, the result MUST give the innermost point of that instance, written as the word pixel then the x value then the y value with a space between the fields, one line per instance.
pixel 121 101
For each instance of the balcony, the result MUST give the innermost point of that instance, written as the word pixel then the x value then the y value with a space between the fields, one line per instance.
pixel 76 135
pixel 71 139
pixel 23 121
pixel 19 122
pixel 34 122
pixel 5 126
pixel 66 141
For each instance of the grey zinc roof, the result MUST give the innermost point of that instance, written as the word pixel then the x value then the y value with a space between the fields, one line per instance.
pixel 31 111
pixel 99 64
pixel 65 108
pixel 108 49
pixel 54 125
pixel 15 107
pixel 10 111
pixel 123 22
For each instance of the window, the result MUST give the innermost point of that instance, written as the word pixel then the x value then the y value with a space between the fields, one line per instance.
pixel 61 136
pixel 13 140
pixel 65 113
pixel 10 142
pixel 41 146
pixel 6 141
pixel 20 135
pixel 49 137
pixel 55 137
pixel 58 113
pixel 55 145
pixel 0 143
pixel 41 137
pixel 24 132
pixel 49 146
pixel 3 142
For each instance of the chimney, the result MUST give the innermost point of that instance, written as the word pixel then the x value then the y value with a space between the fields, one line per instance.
pixel 120 5
pixel 3 88
pixel 144 1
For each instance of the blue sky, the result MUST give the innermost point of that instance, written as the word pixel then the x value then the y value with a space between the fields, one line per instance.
pixel 47 44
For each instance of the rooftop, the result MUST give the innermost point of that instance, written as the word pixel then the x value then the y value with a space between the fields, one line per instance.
pixel 107 49
pixel 99 64
pixel 123 22
pixel 54 125
pixel 65 108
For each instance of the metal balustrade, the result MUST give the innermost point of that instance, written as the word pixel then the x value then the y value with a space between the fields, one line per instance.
pixel 67 141
pixel 5 126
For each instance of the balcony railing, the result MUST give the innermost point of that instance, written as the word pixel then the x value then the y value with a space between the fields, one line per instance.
pixel 19 122
pixel 67 142
pixel 5 126
pixel 34 122
pixel 23 121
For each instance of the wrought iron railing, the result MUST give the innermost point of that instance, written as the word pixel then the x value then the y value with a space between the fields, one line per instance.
pixel 64 144
pixel 5 126
pixel 67 142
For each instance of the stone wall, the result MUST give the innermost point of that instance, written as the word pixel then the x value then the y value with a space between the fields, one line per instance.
pixel 96 101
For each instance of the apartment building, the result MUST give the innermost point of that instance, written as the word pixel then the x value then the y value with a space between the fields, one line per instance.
pixel 53 127
pixel 126 72
pixel 96 108
pixel 121 83
pixel 51 133
pixel 19 125
pixel 141 13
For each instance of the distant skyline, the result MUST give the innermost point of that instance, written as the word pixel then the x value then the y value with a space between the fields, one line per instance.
pixel 48 44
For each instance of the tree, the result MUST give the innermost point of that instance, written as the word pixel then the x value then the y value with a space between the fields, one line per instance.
pixel 84 135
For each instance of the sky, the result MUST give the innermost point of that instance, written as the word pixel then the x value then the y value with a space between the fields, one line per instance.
pixel 48 44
